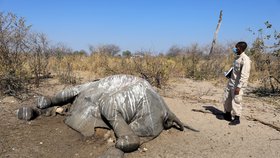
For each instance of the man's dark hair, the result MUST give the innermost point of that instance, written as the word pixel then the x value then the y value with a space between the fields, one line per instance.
pixel 242 45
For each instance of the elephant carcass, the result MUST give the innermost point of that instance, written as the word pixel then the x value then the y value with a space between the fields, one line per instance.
pixel 127 104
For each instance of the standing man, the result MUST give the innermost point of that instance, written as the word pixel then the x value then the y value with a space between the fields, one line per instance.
pixel 238 80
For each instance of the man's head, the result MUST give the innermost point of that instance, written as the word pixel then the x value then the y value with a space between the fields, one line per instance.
pixel 241 47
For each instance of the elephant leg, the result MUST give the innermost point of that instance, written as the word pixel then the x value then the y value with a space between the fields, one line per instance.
pixel 29 113
pixel 112 152
pixel 44 102
pixel 127 140
pixel 63 97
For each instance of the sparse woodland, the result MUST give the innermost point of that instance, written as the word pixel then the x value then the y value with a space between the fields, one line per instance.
pixel 27 58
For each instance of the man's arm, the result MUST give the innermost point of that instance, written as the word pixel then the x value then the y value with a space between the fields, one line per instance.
pixel 244 76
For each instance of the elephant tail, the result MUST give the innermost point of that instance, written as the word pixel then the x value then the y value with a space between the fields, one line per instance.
pixel 170 119
pixel 190 128
pixel 183 125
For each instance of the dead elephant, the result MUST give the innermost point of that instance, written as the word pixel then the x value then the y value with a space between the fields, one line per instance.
pixel 127 104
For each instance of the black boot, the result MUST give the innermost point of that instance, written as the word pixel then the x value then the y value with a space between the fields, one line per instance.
pixel 235 121
pixel 227 116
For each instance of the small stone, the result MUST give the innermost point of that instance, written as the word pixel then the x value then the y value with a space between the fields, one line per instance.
pixel 145 149
pixel 107 135
pixel 110 140
pixel 9 99
pixel 142 149
pixel 41 143
pixel 59 110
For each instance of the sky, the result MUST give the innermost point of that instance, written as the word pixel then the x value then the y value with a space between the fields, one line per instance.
pixel 149 25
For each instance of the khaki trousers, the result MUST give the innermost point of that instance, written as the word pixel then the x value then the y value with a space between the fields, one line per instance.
pixel 232 102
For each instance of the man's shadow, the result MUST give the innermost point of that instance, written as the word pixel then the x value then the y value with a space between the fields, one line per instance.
pixel 218 113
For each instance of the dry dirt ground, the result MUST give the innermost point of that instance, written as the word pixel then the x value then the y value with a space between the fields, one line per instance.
pixel 197 103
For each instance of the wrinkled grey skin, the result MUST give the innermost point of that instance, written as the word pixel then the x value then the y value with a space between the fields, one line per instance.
pixel 127 104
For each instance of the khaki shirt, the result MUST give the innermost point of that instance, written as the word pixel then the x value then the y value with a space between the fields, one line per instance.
pixel 241 71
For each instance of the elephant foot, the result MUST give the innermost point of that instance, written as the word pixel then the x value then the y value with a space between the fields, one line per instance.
pixel 43 102
pixel 29 113
pixel 128 143
pixel 26 113
pixel 112 152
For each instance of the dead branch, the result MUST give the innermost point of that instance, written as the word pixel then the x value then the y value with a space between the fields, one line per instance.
pixel 250 118
pixel 202 111
pixel 42 76
pixel 216 33
pixel 275 79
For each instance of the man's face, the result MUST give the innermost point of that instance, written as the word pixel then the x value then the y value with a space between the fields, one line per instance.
pixel 239 50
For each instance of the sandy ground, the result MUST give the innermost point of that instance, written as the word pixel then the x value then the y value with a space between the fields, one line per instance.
pixel 197 103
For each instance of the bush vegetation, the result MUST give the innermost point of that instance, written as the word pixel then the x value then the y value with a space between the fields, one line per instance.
pixel 27 57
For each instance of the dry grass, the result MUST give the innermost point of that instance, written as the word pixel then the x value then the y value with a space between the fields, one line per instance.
pixel 155 69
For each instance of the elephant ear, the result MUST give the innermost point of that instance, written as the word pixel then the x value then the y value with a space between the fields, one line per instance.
pixel 86 126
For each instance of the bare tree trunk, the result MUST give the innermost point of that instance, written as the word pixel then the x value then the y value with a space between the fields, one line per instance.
pixel 216 33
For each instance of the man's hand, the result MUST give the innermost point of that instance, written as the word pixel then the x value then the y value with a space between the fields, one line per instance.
pixel 236 91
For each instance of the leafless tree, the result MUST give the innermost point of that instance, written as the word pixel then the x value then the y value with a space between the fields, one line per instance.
pixel 107 49
pixel 40 52
pixel 266 57
pixel 216 33
pixel 175 51
pixel 13 39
